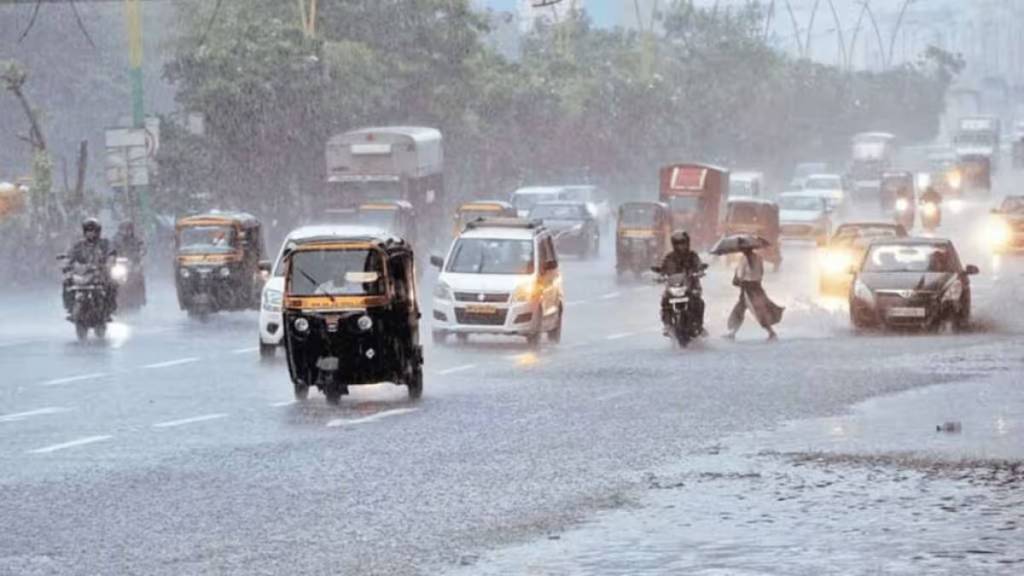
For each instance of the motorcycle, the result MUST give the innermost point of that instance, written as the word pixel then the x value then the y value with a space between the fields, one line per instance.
pixel 904 212
pixel 931 215
pixel 86 299
pixel 683 291
pixel 131 283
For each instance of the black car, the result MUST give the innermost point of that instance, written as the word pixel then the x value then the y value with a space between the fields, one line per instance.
pixel 911 283
pixel 573 226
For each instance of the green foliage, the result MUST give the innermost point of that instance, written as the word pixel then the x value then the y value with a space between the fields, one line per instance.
pixel 609 105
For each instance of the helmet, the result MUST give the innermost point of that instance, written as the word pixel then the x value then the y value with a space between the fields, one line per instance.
pixel 91 224
pixel 680 237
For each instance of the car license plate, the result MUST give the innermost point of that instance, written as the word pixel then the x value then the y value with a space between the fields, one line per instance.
pixel 477 309
pixel 900 312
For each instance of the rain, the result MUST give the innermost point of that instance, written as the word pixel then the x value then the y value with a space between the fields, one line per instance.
pixel 553 287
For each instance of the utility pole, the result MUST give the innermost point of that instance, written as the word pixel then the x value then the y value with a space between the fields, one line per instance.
pixel 133 22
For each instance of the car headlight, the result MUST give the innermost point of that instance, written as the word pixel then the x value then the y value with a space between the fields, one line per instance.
pixel 442 291
pixel 224 272
pixel 930 209
pixel 862 292
pixel 954 179
pixel 953 292
pixel 272 300
pixel 902 205
pixel 836 262
pixel 119 272
pixel 185 273
pixel 998 233
pixel 301 324
pixel 526 292
pixel 365 323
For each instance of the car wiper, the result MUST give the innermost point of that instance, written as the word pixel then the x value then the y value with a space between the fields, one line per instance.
pixel 315 283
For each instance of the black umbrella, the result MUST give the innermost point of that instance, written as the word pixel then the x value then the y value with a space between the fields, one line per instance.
pixel 738 243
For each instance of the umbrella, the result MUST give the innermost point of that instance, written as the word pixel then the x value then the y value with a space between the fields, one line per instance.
pixel 739 243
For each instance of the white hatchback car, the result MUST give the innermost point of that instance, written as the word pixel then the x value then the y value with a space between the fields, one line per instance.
pixel 271 332
pixel 500 277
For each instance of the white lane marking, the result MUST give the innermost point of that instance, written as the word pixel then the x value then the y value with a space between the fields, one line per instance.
pixel 620 336
pixel 19 343
pixel 612 396
pixel 70 379
pixel 71 444
pixel 337 422
pixel 249 350
pixel 282 404
pixel 170 363
pixel 40 412
pixel 611 295
pixel 183 421
pixel 462 368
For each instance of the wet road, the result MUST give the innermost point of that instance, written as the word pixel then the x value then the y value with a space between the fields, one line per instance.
pixel 172 449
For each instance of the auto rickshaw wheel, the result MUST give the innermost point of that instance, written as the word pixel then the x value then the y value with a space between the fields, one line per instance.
pixel 100 330
pixel 302 391
pixel 415 383
pixel 81 331
pixel 333 394
pixel 267 351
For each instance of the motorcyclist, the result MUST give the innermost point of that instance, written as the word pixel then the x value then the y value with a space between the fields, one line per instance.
pixel 931 196
pixel 93 250
pixel 127 244
pixel 681 260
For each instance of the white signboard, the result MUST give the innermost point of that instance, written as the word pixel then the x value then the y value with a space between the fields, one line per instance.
pixel 129 151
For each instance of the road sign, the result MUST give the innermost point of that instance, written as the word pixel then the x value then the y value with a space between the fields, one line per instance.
pixel 128 156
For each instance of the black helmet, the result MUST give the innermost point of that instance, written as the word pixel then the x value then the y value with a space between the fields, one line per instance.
pixel 91 224
pixel 680 237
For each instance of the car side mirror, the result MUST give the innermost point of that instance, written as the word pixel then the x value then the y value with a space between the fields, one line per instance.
pixel 703 266
pixel 436 261
pixel 972 270
pixel 265 266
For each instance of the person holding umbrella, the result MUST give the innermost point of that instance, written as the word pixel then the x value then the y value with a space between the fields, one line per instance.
pixel 748 277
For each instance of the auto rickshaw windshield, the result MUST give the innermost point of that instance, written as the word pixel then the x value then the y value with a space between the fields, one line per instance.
pixel 206 239
pixel 638 216
pixel 684 203
pixel 744 214
pixel 333 272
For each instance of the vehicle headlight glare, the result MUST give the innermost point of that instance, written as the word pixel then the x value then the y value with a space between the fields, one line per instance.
pixel 836 262
pixel 365 323
pixel 119 272
pixel 525 292
pixel 930 209
pixel 954 179
pixel 224 272
pixel 185 273
pixel 999 234
pixel 902 205
pixel 301 324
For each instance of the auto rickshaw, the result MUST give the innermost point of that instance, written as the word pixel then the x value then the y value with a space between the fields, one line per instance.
pixel 471 211
pixel 695 195
pixel 642 237
pixel 898 197
pixel 350 315
pixel 219 262
pixel 757 218
pixel 396 217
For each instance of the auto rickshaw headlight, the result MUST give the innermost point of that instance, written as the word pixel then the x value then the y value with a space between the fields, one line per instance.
pixel 224 272
pixel 998 233
pixel 902 204
pixel 301 324
pixel 185 273
pixel 954 179
pixel 365 323
pixel 930 209
pixel 836 262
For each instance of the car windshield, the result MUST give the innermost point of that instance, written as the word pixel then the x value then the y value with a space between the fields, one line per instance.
pixel 638 215
pixel 1012 205
pixel 800 203
pixel 823 183
pixel 557 212
pixel 908 258
pixel 204 239
pixel 491 256
pixel 527 201
pixel 852 234
pixel 382 219
pixel 684 203
pixel 334 272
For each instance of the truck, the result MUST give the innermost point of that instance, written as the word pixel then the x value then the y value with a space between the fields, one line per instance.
pixel 387 163
pixel 871 155
pixel 977 150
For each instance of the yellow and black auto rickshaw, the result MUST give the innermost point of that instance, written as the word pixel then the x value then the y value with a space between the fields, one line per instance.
pixel 642 236
pixel 219 262
pixel 351 315
pixel 758 218
pixel 476 210
pixel 394 217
